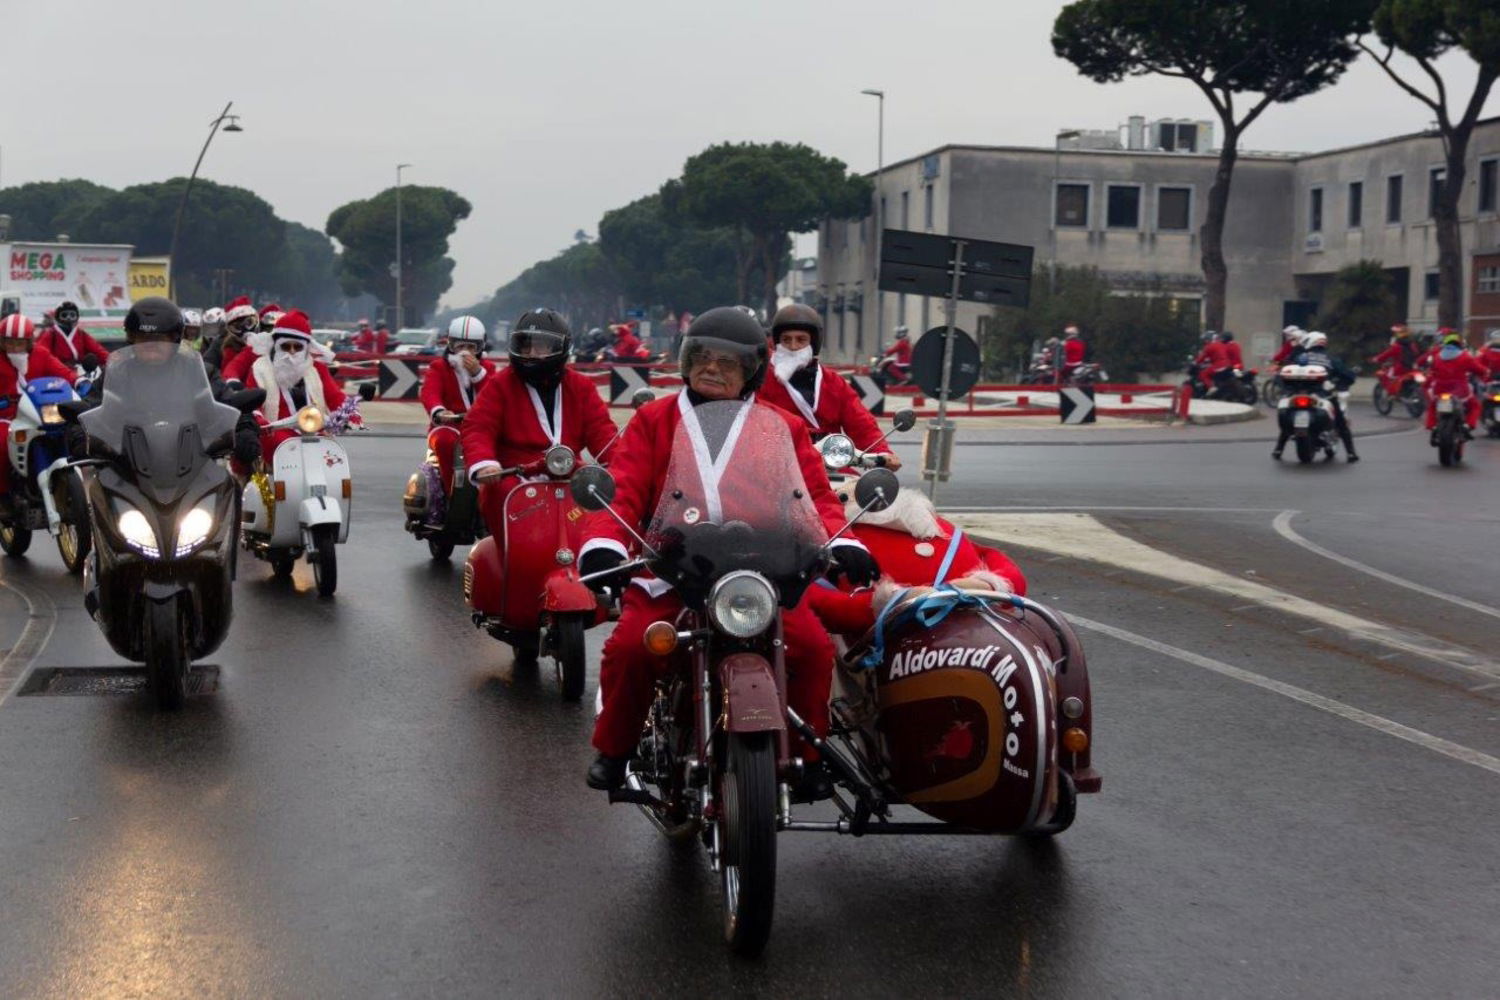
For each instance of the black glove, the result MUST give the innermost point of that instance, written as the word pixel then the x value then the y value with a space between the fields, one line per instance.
pixel 600 560
pixel 90 362
pixel 853 562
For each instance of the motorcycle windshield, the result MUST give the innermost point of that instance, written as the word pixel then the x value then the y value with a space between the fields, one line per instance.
pixel 734 499
pixel 159 416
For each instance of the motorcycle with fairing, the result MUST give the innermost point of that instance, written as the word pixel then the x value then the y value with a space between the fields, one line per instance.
pixel 46 494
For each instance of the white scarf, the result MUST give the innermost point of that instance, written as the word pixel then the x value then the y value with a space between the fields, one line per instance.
pixel 20 359
pixel 787 363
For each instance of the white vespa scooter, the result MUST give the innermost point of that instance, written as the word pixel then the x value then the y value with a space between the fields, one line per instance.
pixel 302 504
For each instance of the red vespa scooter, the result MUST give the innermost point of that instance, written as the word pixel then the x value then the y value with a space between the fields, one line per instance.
pixel 531 598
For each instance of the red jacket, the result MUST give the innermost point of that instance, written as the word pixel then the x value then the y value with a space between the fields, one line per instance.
pixel 1074 351
pixel 1490 358
pixel 1232 356
pixel 835 408
pixel 902 350
pixel 1284 355
pixel 57 345
pixel 41 364
pixel 505 427
pixel 1213 356
pixel 364 340
pixel 628 345
pixel 441 391
pixel 382 341
pixel 640 470
pixel 1452 375
pixel 237 365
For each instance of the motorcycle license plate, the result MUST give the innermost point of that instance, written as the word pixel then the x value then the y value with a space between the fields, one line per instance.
pixel 319 491
pixel 1445 406
pixel 1302 418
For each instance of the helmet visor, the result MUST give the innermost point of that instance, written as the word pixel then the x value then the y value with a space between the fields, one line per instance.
pixel 536 344
pixel 704 353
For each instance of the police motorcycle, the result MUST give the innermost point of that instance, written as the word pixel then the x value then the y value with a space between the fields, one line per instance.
pixel 963 723
pixel 163 512
pixel 443 518
pixel 301 505
pixel 1306 410
pixel 47 493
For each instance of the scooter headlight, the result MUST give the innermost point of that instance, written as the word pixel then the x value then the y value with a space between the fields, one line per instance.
pixel 837 451
pixel 743 604
pixel 138 533
pixel 560 460
pixel 309 420
pixel 193 530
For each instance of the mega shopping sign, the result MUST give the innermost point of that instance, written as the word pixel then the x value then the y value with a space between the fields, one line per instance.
pixel 96 277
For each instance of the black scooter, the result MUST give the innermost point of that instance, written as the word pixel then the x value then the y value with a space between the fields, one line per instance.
pixel 443 518
pixel 165 513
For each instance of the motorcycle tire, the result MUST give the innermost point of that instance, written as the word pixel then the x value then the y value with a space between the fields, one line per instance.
pixel 571 658
pixel 1415 404
pixel 1065 812
pixel 281 565
pixel 439 548
pixel 166 656
pixel 1248 395
pixel 1382 400
pixel 1305 450
pixel 1271 391
pixel 325 559
pixel 747 870
pixel 74 536
pixel 15 541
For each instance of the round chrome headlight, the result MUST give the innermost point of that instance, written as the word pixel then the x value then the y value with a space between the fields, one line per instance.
pixel 559 460
pixel 837 451
pixel 309 420
pixel 743 604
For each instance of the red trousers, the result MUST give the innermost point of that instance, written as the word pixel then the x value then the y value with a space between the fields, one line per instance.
pixel 628 673
pixel 1471 409
pixel 443 441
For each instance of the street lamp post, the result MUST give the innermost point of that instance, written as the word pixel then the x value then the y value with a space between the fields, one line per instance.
pixel 1056 169
pixel 400 316
pixel 213 128
pixel 879 220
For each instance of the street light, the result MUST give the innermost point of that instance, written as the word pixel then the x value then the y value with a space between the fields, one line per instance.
pixel 400 316
pixel 1069 133
pixel 233 125
pixel 879 221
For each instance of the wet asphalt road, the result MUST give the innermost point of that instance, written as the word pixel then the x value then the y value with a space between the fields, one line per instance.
pixel 371 804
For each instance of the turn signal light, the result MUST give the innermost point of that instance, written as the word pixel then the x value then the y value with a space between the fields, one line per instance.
pixel 1445 395
pixel 1075 741
pixel 661 638
pixel 20 437
pixel 348 488
pixel 278 489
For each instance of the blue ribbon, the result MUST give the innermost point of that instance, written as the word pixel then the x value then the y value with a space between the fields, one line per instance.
pixel 928 612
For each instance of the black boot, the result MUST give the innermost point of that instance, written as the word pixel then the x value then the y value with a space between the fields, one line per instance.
pixel 1353 457
pixel 607 773
pixel 1276 453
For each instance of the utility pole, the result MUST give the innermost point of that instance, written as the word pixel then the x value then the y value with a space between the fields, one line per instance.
pixel 400 272
pixel 213 129
pixel 879 218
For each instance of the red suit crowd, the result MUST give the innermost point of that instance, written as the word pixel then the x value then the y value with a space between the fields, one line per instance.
pixel 23 359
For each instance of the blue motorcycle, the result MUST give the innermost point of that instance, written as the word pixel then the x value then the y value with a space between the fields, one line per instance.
pixel 46 492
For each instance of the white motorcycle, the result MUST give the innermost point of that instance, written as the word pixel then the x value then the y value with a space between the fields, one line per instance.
pixel 46 492
pixel 301 504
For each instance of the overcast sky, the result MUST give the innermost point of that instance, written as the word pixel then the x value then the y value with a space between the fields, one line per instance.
pixel 545 115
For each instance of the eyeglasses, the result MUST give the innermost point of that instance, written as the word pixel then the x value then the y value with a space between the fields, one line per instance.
pixel 290 347
pixel 722 362
pixel 67 317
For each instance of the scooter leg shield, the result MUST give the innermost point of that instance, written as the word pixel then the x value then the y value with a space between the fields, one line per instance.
pixel 484 578
pixel 751 702
pixel 562 593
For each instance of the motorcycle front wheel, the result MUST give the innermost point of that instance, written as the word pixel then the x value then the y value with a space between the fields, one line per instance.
pixel 747 839
pixel 325 558
pixel 166 656
pixel 74 537
pixel 1415 404
pixel 1382 400
pixel 568 632
pixel 439 548
pixel 15 541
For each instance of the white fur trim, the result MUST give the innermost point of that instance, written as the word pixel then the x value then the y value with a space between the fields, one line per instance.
pixel 265 377
pixel 602 543
pixel 912 512
pixel 478 467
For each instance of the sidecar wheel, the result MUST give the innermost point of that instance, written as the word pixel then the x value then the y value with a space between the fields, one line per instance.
pixel 74 538
pixel 1067 808
pixel 748 840
pixel 15 541
pixel 325 559
pixel 570 656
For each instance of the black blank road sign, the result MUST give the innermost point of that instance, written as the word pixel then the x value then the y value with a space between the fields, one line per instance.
pixel 922 264
pixel 927 363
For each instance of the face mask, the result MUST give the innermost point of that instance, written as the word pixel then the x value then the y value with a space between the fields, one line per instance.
pixel 19 359
pixel 1450 351
pixel 788 362
pixel 290 368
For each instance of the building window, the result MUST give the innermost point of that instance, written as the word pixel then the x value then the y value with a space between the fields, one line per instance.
pixel 1072 205
pixel 1356 204
pixel 1487 184
pixel 927 206
pixel 1174 208
pixel 1488 280
pixel 1430 286
pixel 1434 189
pixel 905 209
pixel 1124 208
pixel 1393 199
pixel 1315 210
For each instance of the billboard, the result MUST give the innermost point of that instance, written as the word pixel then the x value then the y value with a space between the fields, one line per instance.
pixel 96 277
pixel 149 276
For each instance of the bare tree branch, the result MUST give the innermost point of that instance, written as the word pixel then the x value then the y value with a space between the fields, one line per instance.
pixel 1385 64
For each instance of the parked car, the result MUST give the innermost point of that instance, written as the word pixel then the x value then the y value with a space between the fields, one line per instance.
pixel 415 340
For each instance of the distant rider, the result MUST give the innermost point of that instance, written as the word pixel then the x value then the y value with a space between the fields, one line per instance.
pixel 1075 351
pixel 240 320
pixel 23 359
pixel 627 345
pixel 449 387
pixel 1449 375
pixel 1315 352
pixel 1232 356
pixel 900 354
pixel 1291 343
pixel 1211 360
pixel 70 343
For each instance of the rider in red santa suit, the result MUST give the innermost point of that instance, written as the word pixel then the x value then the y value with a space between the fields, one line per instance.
pixel 801 386
pixel 526 408
pixel 240 321
pixel 723 358
pixel 1075 351
pixel 293 379
pixel 70 343
pixel 1291 343
pixel 449 388
pixel 1211 360
pixel 627 345
pixel 1449 375
pixel 23 359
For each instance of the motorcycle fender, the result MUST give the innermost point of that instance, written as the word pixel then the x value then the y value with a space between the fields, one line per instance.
pixel 44 486
pixel 160 592
pixel 751 701
pixel 319 510
pixel 484 578
pixel 562 593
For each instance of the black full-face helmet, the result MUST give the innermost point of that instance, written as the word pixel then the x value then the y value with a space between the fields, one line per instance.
pixel 153 318
pixel 538 347
pixel 728 329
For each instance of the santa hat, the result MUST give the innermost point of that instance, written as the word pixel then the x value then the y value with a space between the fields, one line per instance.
pixel 292 325
pixel 238 309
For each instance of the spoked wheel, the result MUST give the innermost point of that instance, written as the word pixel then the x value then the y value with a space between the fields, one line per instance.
pixel 1271 392
pixel 1305 450
pixel 747 840
pixel 281 565
pixel 74 537
pixel 439 548
pixel 568 636
pixel 1382 400
pixel 325 558
pixel 166 655
pixel 1415 404
pixel 15 541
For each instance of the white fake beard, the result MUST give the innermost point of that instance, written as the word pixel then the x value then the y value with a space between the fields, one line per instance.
pixel 456 362
pixel 290 368
pixel 788 363
pixel 19 359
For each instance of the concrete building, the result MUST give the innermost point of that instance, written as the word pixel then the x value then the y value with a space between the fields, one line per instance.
pixel 1130 202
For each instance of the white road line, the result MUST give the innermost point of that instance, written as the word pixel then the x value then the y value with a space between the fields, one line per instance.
pixel 40 621
pixel 1031 507
pixel 1283 526
pixel 1379 723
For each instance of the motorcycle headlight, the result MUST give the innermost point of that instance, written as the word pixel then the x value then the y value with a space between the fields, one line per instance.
pixel 193 530
pixel 138 533
pixel 559 460
pixel 1419 378
pixel 743 604
pixel 51 414
pixel 309 420
pixel 837 451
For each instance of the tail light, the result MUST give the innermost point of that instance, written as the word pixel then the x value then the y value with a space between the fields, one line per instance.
pixel 1302 402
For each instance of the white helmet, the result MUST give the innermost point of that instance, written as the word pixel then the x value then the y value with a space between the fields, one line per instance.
pixel 1314 338
pixel 192 317
pixel 466 329
pixel 213 316
pixel 1291 332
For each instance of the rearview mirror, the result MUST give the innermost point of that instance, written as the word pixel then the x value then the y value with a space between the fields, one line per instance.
pixel 641 398
pixel 246 400
pixel 876 489
pixel 366 391
pixel 904 419
pixel 593 488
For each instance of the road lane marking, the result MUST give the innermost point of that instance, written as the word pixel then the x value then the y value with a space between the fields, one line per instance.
pixel 1379 723
pixel 1083 537
pixel 1283 526
pixel 1066 507
pixel 34 637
